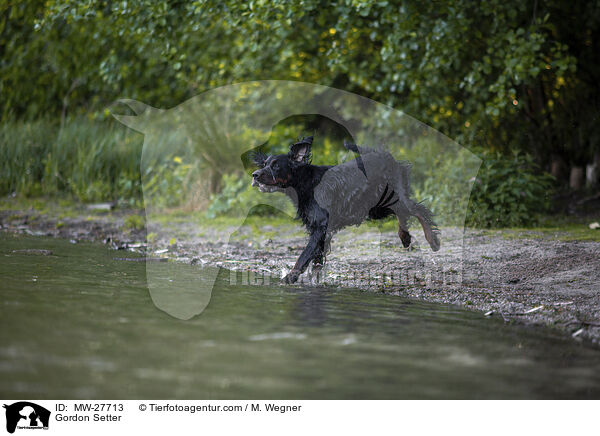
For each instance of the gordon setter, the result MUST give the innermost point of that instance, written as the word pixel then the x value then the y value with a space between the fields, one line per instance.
pixel 328 198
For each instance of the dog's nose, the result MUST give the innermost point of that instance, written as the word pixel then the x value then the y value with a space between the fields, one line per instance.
pixel 255 174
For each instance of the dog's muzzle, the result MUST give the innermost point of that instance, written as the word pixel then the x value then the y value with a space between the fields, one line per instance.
pixel 261 186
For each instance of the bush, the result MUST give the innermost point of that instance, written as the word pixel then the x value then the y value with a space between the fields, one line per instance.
pixel 509 191
pixel 134 222
pixel 167 183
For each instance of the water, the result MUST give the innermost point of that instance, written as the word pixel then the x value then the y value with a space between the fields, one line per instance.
pixel 80 324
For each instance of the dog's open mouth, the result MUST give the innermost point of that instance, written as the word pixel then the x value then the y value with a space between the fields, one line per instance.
pixel 263 187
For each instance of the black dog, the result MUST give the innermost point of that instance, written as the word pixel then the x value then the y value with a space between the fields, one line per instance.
pixel 328 198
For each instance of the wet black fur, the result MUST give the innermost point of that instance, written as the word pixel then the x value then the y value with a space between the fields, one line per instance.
pixel 294 170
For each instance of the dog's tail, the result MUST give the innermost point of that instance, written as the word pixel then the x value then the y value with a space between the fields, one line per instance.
pixel 425 217
pixel 350 146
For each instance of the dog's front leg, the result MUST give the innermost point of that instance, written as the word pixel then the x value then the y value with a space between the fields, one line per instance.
pixel 313 250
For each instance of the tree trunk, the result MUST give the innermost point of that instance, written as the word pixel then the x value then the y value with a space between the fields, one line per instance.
pixel 591 175
pixel 558 168
pixel 592 171
pixel 577 177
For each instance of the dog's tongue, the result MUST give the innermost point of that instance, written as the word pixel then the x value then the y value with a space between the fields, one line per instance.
pixel 262 187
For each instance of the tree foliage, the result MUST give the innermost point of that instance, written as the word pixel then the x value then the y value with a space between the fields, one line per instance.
pixel 499 75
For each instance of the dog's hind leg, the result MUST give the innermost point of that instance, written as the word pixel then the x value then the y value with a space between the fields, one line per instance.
pixel 425 217
pixel 407 207
pixel 403 231
pixel 402 213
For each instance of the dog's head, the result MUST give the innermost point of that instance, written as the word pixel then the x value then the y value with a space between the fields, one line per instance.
pixel 276 171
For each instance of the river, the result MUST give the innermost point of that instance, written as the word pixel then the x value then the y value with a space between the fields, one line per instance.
pixel 80 324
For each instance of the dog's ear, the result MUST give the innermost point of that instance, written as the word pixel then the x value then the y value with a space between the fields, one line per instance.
pixel 300 151
pixel 259 158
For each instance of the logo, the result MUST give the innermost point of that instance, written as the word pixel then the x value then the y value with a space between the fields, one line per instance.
pixel 26 415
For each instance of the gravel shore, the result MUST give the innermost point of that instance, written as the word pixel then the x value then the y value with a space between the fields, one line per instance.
pixel 524 277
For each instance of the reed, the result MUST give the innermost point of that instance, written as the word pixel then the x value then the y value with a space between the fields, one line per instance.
pixel 87 160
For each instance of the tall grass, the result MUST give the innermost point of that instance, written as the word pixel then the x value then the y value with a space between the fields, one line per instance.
pixel 93 161
pixel 87 160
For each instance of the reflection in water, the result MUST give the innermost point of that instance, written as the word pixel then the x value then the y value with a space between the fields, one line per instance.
pixel 79 324
pixel 310 307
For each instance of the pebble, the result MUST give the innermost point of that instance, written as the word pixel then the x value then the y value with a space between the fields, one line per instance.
pixel 142 259
pixel 34 251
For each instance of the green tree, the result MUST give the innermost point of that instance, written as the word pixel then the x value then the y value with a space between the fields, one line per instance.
pixel 498 75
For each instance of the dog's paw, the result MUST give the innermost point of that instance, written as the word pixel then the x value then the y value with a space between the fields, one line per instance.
pixel 292 277
pixel 405 238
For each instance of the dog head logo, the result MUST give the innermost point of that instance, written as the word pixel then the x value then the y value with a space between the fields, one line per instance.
pixel 190 149
pixel 26 415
